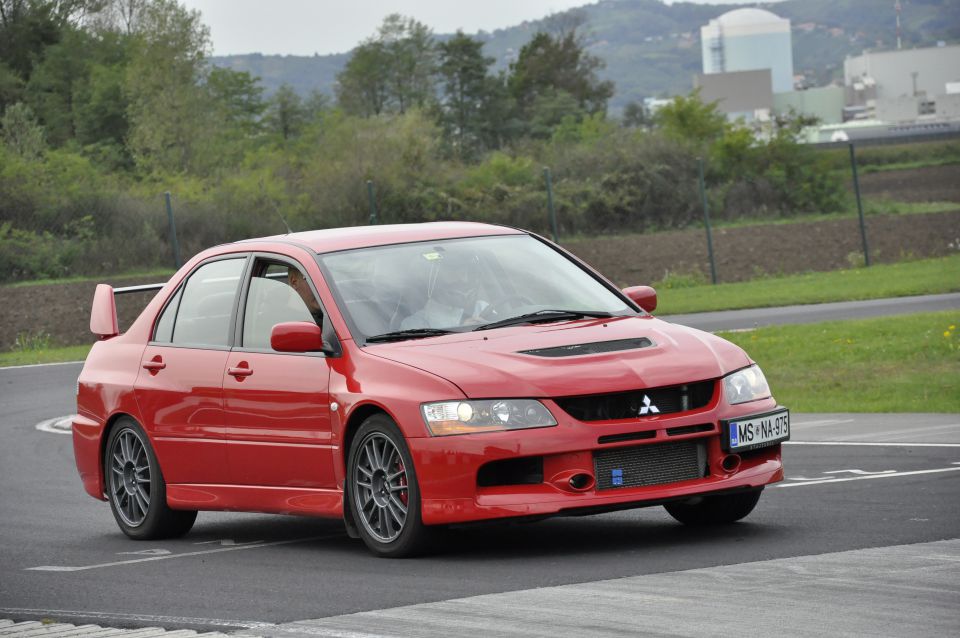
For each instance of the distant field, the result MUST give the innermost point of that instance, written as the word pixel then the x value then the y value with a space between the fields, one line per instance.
pixel 927 276
pixel 907 364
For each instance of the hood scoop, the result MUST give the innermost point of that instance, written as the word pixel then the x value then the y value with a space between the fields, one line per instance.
pixel 596 347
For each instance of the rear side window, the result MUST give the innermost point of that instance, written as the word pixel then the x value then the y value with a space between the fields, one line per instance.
pixel 205 305
pixel 164 333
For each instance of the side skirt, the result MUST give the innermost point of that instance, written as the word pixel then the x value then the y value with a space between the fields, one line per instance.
pixel 256 498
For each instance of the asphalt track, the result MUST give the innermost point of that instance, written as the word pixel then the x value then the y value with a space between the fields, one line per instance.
pixel 861 539
pixel 812 313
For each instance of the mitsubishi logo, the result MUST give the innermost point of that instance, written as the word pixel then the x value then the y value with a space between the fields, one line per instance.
pixel 648 407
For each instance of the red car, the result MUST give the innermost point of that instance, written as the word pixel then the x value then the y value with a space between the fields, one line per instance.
pixel 413 376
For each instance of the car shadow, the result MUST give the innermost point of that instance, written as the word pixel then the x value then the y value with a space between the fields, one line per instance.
pixel 599 535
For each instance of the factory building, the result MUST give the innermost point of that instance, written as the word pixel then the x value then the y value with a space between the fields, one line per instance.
pixel 749 40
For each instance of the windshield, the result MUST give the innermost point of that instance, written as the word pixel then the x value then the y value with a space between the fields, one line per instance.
pixel 459 284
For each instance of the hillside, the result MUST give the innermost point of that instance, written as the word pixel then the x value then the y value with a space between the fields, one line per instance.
pixel 654 49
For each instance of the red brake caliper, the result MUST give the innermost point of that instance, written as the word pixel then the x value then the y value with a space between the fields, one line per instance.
pixel 403 481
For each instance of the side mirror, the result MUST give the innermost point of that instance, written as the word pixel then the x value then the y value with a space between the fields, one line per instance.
pixel 298 336
pixel 643 296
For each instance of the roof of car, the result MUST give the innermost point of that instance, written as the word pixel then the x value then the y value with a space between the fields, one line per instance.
pixel 334 239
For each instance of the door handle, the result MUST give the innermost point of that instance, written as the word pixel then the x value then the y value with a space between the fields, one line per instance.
pixel 239 372
pixel 154 365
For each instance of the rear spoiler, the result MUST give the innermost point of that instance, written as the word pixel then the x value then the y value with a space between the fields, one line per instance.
pixel 103 315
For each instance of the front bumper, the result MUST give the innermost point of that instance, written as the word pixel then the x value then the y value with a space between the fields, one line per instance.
pixel 447 467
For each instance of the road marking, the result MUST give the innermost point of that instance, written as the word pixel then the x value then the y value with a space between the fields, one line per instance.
pixel 57 425
pixel 871 444
pixel 859 472
pixel 227 542
pixel 40 365
pixel 136 618
pixel 823 422
pixel 867 478
pixel 118 563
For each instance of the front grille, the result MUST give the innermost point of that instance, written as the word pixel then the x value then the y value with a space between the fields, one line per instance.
pixel 638 403
pixel 597 347
pixel 653 464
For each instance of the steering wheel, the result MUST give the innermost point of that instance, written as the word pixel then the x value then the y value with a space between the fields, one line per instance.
pixel 494 310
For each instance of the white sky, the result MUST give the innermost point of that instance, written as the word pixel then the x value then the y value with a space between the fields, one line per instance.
pixel 305 27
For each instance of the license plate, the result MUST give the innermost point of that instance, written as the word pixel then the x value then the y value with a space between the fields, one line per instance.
pixel 755 432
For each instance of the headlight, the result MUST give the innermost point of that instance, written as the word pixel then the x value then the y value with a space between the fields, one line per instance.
pixel 489 415
pixel 745 385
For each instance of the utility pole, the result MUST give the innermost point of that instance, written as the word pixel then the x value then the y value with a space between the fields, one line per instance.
pixel 899 45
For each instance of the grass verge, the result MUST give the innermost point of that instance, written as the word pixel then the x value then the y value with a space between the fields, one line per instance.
pixel 44 355
pixel 921 277
pixel 909 363
pixel 161 274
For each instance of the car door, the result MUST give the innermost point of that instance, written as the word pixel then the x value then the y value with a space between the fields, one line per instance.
pixel 179 388
pixel 277 405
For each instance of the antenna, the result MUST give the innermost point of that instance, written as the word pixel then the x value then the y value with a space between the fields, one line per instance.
pixel 896 6
pixel 276 209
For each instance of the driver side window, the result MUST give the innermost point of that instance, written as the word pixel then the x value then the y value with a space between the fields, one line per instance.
pixel 278 293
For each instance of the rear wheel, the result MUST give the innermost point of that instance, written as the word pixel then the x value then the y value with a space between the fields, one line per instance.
pixel 383 492
pixel 136 489
pixel 715 510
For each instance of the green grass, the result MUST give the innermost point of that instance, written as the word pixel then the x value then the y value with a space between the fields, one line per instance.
pixel 908 363
pixel 900 166
pixel 927 276
pixel 161 274
pixel 45 355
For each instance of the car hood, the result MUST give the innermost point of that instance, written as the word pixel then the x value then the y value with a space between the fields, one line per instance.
pixel 489 364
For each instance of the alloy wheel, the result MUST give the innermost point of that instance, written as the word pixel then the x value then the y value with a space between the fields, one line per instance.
pixel 130 478
pixel 380 488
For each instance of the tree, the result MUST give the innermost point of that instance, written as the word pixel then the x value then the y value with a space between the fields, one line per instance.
pixel 285 112
pixel 171 116
pixel 411 53
pixel 689 118
pixel 467 92
pixel 21 132
pixel 391 72
pixel 27 27
pixel 551 67
pixel 238 97
pixel 636 115
pixel 362 86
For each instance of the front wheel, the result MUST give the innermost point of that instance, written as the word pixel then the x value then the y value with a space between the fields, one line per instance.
pixel 715 510
pixel 136 489
pixel 384 495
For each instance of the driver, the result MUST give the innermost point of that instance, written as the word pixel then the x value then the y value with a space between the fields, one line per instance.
pixel 299 283
pixel 453 293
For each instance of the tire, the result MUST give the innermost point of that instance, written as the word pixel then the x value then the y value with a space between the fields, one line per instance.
pixel 715 510
pixel 136 489
pixel 382 490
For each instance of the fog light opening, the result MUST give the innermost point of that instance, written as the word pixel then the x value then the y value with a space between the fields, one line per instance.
pixel 730 463
pixel 581 482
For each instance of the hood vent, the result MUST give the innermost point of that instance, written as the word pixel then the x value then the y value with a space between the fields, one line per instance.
pixel 597 347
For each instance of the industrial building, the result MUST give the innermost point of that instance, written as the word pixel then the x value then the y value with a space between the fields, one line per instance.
pixel 903 85
pixel 749 40
pixel 748 73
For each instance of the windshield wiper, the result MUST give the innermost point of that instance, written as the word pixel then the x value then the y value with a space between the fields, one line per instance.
pixel 412 333
pixel 545 315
